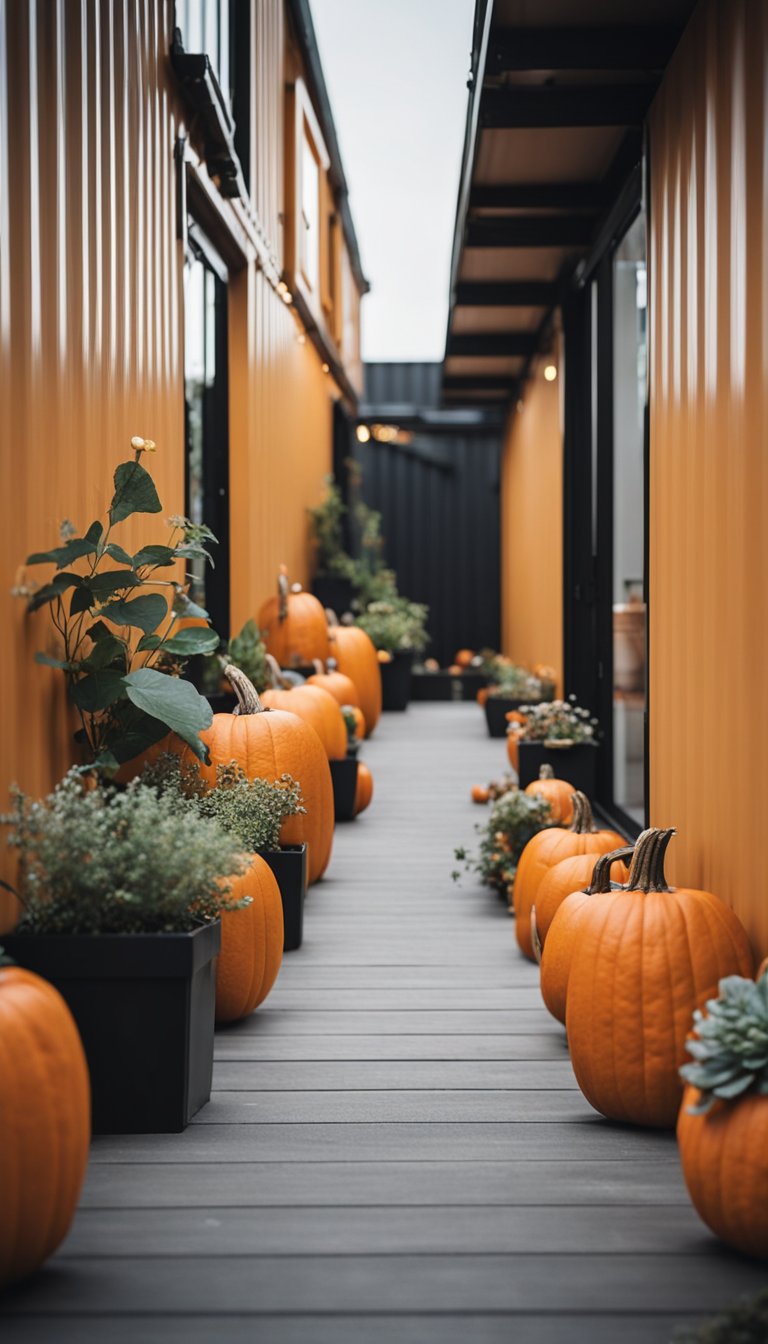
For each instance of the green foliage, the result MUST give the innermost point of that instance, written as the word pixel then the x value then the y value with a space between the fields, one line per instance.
pixel 730 1049
pixel 514 683
pixel 106 861
pixel 117 620
pixel 396 625
pixel 248 652
pixel 325 522
pixel 514 819
pixel 746 1323
pixel 250 810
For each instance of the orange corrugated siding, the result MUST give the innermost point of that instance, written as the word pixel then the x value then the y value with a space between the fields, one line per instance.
pixel 532 526
pixel 709 454
pixel 91 322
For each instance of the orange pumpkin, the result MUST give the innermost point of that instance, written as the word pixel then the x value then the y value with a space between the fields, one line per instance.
pixel 342 688
pixel 723 1159
pixel 567 877
pixel 464 657
pixel 482 696
pixel 314 705
pixel 547 848
pixel 384 656
pixel 515 721
pixel 251 944
pixel 479 794
pixel 364 788
pixel 644 958
pixel 45 1120
pixel 558 793
pixel 355 655
pixel 293 625
pixel 267 743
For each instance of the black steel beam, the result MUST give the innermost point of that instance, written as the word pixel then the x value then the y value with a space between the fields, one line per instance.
pixel 492 344
pixel 501 383
pixel 530 231
pixel 507 294
pixel 560 105
pixel 620 47
pixel 537 195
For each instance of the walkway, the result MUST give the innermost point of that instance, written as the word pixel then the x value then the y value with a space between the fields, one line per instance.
pixel 396 1150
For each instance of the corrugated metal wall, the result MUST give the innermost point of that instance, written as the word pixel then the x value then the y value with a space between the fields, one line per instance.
pixel 532 527
pixel 91 330
pixel 439 497
pixel 709 459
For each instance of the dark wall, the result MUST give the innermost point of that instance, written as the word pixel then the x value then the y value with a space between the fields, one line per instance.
pixel 439 498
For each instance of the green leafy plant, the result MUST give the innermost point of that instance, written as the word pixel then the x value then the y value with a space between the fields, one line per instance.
pixel 515 683
pixel 745 1323
pixel 250 810
pixel 122 649
pixel 730 1045
pixel 556 721
pixel 249 652
pixel 514 818
pixel 396 625
pixel 326 530
pixel 101 860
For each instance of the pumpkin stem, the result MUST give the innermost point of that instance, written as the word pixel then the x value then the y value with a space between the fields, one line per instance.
pixel 276 673
pixel 583 822
pixel 5 958
pixel 248 701
pixel 317 663
pixel 546 771
pixel 659 881
pixel 331 617
pixel 601 873
pixel 282 592
pixel 647 871
pixel 535 939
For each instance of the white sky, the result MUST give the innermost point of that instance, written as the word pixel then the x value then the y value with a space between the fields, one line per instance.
pixel 396 72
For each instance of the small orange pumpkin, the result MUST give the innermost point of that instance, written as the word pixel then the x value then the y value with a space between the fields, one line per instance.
pixel 464 657
pixel 384 656
pixel 482 696
pixel 293 625
pixel 343 689
pixel 251 943
pixel 558 793
pixel 363 789
pixel 516 721
pixel 355 655
pixel 479 794
pixel 556 954
pixel 45 1120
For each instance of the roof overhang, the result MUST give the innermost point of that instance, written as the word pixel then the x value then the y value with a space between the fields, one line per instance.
pixel 559 93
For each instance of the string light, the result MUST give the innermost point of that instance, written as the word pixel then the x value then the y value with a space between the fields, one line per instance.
pixel 362 433
pixel 550 372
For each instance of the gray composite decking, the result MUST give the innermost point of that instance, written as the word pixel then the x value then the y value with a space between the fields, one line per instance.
pixel 396 1149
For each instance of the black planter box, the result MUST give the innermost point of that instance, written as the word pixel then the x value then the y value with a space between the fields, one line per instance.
pixel 396 681
pixel 333 592
pixel 344 777
pixel 144 1006
pixel 575 764
pixel 496 709
pixel 289 866
pixel 444 685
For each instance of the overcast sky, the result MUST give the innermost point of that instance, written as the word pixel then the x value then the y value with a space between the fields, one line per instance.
pixel 397 72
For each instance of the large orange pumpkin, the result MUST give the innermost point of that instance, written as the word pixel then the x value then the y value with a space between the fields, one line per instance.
pixel 267 743
pixel 355 655
pixel 723 1155
pixel 251 943
pixel 363 788
pixel 564 879
pixel 547 848
pixel 314 705
pixel 293 625
pixel 45 1120
pixel 558 793
pixel 644 958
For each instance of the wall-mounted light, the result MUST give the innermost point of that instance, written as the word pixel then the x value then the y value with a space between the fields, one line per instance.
pixel 550 372
pixel 362 433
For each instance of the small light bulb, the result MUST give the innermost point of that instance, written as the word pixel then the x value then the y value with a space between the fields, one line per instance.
pixel 287 297
pixel 326 368
pixel 550 373
pixel 362 433
pixel 301 338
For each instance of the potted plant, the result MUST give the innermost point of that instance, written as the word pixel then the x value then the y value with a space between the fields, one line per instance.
pixel 509 687
pixel 252 811
pixel 397 628
pixel 559 733
pixel 514 819
pixel 126 625
pixel 121 891
pixel 722 1129
pixel 333 584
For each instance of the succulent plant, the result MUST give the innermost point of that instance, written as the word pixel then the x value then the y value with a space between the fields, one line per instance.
pixel 730 1046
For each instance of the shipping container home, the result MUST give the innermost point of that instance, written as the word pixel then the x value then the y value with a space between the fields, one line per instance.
pixel 178 261
pixel 608 290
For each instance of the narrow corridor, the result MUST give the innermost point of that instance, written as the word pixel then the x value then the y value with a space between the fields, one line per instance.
pixel 396 1148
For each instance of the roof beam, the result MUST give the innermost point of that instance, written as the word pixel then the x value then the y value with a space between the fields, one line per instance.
pixel 530 231
pixel 620 47
pixel 491 344
pixel 503 383
pixel 536 196
pixel 558 105
pixel 507 294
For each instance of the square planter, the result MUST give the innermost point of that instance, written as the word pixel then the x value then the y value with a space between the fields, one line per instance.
pixel 333 592
pixel 575 764
pixel 432 685
pixel 289 866
pixel 496 709
pixel 396 681
pixel 471 683
pixel 344 779
pixel 144 1007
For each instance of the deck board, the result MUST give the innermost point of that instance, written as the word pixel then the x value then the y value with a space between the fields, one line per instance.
pixel 395 1147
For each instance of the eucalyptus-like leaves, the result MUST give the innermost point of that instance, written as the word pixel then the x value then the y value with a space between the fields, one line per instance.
pixel 119 621
pixel 730 1044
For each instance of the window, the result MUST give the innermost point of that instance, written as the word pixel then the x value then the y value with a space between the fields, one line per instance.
pixel 307 234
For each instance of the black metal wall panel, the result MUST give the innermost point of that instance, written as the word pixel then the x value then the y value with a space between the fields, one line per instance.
pixel 439 499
